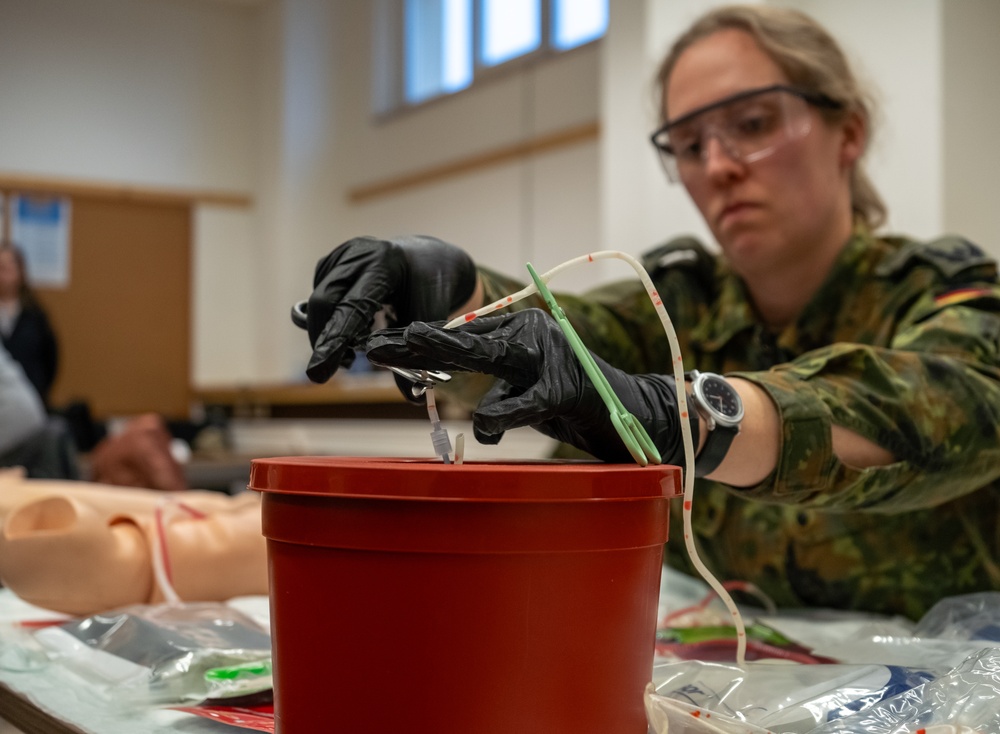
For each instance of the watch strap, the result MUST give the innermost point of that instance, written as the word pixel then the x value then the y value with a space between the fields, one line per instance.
pixel 717 442
pixel 719 436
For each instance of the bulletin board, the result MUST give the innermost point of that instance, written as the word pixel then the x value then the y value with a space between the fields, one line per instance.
pixel 123 320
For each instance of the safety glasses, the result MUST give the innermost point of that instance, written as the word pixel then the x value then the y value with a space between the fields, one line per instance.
pixel 748 126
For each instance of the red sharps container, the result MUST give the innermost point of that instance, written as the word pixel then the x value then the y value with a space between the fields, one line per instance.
pixel 483 598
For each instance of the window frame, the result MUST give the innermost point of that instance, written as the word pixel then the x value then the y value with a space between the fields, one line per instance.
pixel 389 57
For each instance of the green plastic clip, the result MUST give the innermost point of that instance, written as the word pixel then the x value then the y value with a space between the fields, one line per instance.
pixel 631 431
pixel 255 669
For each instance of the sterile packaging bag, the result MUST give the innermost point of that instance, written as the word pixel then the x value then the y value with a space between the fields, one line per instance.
pixel 952 630
pixel 694 696
pixel 942 678
pixel 964 701
pixel 164 654
pixel 965 617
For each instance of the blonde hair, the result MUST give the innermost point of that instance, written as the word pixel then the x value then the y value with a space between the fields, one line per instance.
pixel 811 59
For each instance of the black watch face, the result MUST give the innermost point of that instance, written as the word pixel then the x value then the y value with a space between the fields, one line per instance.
pixel 721 397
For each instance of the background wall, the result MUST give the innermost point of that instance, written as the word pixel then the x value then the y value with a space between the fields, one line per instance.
pixel 272 98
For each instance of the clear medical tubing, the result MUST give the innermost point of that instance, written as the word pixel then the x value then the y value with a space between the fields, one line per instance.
pixel 682 407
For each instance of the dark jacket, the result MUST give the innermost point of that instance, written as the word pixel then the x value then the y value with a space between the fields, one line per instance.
pixel 33 344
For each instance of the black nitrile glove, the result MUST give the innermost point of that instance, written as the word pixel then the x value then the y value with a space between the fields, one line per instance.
pixel 540 383
pixel 420 278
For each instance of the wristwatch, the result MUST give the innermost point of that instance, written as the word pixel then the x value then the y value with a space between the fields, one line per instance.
pixel 720 405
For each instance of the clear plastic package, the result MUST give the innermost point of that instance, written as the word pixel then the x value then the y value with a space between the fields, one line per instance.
pixel 771 696
pixel 164 654
pixel 966 617
pixel 948 682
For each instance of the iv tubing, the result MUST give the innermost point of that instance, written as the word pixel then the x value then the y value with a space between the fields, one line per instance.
pixel 159 550
pixel 682 407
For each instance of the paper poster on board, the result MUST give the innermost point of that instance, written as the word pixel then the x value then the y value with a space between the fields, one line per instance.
pixel 39 225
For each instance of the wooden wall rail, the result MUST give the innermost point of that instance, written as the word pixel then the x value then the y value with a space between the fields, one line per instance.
pixel 505 154
pixel 120 191
pixel 357 195
pixel 347 389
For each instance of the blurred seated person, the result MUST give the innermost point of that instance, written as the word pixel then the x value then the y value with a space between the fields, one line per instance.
pixel 137 456
pixel 24 327
pixel 22 415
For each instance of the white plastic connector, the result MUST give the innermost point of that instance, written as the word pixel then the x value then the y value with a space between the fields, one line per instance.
pixel 439 434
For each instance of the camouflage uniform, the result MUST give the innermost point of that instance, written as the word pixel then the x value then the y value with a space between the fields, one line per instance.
pixel 901 345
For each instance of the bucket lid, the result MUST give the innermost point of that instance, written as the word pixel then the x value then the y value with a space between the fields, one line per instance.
pixel 476 481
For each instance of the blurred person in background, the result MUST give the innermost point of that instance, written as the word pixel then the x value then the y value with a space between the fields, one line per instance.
pixel 139 455
pixel 24 326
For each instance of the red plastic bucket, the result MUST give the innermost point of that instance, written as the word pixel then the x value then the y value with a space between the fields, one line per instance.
pixel 419 597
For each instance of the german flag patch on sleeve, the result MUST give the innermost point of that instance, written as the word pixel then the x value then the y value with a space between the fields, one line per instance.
pixel 960 295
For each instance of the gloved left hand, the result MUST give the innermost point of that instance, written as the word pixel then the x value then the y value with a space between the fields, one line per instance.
pixel 540 382
pixel 421 278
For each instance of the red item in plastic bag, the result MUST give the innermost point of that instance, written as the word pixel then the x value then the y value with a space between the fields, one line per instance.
pixel 258 718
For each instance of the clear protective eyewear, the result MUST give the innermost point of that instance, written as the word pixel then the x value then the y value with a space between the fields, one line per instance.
pixel 749 126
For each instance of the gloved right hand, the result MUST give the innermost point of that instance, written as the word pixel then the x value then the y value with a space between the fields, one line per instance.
pixel 419 278
pixel 540 383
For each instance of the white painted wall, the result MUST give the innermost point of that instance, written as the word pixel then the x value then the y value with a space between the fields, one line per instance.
pixel 902 61
pixel 640 207
pixel 971 119
pixel 273 98
pixel 148 92
pixel 144 91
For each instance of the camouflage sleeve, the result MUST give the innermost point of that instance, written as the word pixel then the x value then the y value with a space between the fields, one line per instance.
pixel 931 397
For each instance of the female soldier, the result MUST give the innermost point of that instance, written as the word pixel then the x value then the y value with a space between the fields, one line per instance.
pixel 859 473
